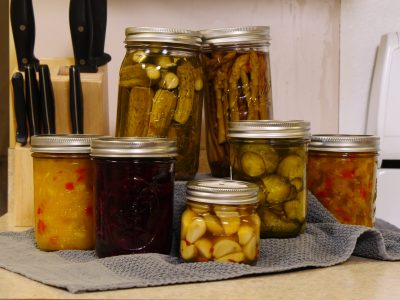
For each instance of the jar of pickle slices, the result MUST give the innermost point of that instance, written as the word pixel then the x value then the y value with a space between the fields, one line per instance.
pixel 63 192
pixel 238 76
pixel 134 192
pixel 161 91
pixel 273 154
pixel 341 173
pixel 220 222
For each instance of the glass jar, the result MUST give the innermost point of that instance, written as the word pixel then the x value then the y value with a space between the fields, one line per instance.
pixel 220 222
pixel 134 191
pixel 63 192
pixel 238 76
pixel 341 173
pixel 161 91
pixel 273 154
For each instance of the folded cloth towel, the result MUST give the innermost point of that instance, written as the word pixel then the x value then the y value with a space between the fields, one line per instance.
pixel 324 243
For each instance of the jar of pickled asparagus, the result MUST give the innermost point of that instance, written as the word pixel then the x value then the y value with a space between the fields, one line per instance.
pixel 238 76
pixel 220 222
pixel 341 173
pixel 63 192
pixel 134 192
pixel 273 154
pixel 161 91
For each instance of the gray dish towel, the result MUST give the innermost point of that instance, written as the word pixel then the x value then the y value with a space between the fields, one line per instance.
pixel 325 243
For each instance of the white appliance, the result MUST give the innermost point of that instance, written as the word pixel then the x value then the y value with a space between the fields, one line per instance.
pixel 384 121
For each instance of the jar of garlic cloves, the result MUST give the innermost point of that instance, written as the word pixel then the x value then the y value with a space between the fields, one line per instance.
pixel 238 73
pixel 220 222
pixel 161 91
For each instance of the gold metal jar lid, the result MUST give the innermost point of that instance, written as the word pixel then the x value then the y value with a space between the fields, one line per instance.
pixel 63 143
pixel 163 35
pixel 248 34
pixel 269 129
pixel 344 143
pixel 222 191
pixel 145 147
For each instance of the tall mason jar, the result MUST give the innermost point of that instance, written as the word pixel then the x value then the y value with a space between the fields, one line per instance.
pixel 134 192
pixel 63 192
pixel 238 76
pixel 341 173
pixel 161 91
pixel 273 154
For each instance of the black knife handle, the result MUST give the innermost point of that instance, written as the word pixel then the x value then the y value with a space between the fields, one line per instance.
pixel 99 15
pixel 20 108
pixel 32 100
pixel 47 100
pixel 23 28
pixel 81 27
pixel 76 100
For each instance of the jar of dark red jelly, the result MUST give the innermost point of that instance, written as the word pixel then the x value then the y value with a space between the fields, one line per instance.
pixel 134 189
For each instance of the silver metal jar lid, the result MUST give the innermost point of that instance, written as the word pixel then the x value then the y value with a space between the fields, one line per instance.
pixel 269 129
pixel 248 34
pixel 163 35
pixel 62 143
pixel 344 143
pixel 222 191
pixel 134 147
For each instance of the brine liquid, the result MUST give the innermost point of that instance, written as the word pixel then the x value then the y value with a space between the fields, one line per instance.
pixel 134 206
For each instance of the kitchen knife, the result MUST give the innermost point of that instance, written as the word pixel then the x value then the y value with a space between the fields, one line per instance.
pixel 20 108
pixel 23 28
pixel 32 100
pixel 46 100
pixel 99 15
pixel 76 100
pixel 81 27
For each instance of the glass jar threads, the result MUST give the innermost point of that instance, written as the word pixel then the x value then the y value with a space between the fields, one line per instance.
pixel 341 173
pixel 161 91
pixel 273 154
pixel 238 76
pixel 220 222
pixel 134 190
pixel 63 192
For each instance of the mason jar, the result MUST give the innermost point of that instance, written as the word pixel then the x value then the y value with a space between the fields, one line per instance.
pixel 63 192
pixel 161 91
pixel 220 222
pixel 134 191
pixel 238 73
pixel 273 154
pixel 341 173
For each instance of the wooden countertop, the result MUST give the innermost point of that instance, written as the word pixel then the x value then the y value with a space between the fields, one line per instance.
pixel 357 278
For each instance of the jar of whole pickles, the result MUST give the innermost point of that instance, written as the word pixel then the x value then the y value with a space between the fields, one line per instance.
pixel 161 91
pixel 220 222
pixel 238 76
pixel 341 173
pixel 134 192
pixel 63 192
pixel 273 154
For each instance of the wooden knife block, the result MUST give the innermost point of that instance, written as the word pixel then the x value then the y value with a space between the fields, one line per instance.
pixel 95 107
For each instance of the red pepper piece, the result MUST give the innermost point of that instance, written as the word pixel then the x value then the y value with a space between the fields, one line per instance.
pixel 39 210
pixel 347 174
pixel 363 192
pixel 41 227
pixel 81 172
pixel 89 211
pixel 69 186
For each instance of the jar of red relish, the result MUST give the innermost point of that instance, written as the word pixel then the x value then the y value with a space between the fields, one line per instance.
pixel 341 173
pixel 63 192
pixel 134 190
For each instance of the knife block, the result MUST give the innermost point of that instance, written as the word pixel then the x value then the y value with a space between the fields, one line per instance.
pixel 95 118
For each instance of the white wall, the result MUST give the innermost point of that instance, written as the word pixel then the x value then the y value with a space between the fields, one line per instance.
pixel 304 51
pixel 362 24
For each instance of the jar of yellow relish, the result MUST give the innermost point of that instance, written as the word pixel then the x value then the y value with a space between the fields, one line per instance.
pixel 220 222
pixel 63 192
pixel 273 154
pixel 341 173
